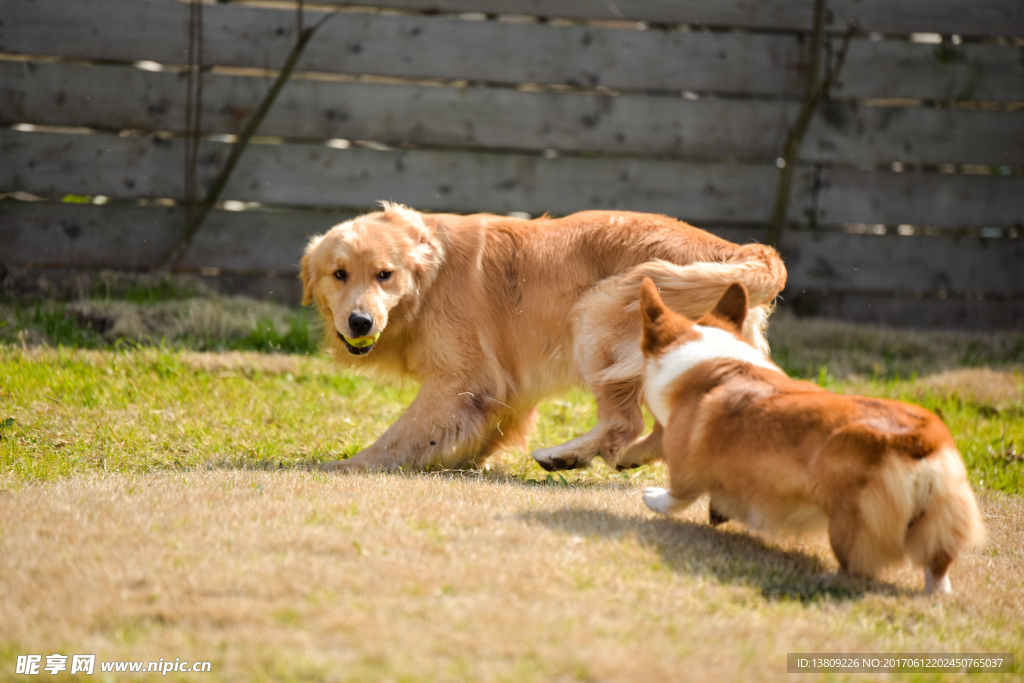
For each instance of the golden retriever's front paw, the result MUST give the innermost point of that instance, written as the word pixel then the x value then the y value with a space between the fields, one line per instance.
pixel 343 466
pixel 555 458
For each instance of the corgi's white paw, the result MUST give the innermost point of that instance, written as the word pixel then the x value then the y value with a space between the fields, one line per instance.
pixel 660 500
pixel 932 586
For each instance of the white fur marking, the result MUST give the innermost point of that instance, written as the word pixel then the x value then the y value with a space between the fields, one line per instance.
pixel 660 500
pixel 933 586
pixel 714 344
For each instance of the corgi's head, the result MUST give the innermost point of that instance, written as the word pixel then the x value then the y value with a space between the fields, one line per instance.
pixel 664 328
pixel 673 344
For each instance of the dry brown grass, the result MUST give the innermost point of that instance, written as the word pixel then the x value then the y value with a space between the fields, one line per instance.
pixel 294 575
pixel 804 345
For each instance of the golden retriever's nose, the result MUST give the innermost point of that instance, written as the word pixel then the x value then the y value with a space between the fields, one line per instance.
pixel 360 324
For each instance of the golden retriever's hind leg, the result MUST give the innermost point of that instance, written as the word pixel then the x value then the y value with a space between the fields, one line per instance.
pixel 644 451
pixel 619 422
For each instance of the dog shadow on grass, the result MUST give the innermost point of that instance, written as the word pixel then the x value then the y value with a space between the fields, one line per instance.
pixel 727 554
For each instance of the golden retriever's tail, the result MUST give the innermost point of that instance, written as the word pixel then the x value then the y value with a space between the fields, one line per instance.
pixel 694 289
pixel 607 319
pixel 922 508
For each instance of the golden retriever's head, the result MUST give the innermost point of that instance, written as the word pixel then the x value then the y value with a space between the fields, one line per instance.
pixel 361 270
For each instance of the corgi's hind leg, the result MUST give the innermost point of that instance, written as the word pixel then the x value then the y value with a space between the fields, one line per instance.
pixel 846 535
pixel 663 502
pixel 936 574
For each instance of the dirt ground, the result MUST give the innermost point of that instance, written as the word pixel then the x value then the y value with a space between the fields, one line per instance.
pixel 295 575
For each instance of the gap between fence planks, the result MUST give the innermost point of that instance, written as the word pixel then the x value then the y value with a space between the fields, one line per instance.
pixel 441 47
pixel 54 164
pixel 318 176
pixel 410 46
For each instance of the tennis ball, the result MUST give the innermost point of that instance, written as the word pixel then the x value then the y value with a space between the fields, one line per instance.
pixel 362 342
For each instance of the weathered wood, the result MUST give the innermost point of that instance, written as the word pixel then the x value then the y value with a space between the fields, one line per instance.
pixel 873 264
pixel 907 312
pixel 983 17
pixel 770 14
pixel 56 235
pixel 890 280
pixel 76 283
pixel 115 97
pixel 976 18
pixel 314 175
pixel 410 46
pixel 937 199
pixel 852 132
pixel 892 68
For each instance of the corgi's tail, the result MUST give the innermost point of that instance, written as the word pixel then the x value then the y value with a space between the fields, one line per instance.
pixel 923 509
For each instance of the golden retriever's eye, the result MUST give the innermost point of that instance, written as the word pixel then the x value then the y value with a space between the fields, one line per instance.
pixel 340 274
pixel 384 275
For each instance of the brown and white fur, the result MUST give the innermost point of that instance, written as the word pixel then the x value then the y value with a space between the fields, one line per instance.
pixel 492 314
pixel 780 454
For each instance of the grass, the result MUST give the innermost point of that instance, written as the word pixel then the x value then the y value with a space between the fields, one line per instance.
pixel 161 501
pixel 136 410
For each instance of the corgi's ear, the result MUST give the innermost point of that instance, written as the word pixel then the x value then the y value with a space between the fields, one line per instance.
pixel 661 325
pixel 733 305
pixel 307 270
pixel 651 305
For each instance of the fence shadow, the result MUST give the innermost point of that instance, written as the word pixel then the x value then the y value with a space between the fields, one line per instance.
pixel 728 555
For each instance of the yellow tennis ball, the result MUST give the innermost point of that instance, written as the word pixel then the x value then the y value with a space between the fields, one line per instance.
pixel 362 342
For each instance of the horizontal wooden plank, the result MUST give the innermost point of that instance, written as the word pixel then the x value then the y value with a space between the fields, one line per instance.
pixel 767 14
pixel 410 46
pixel 892 68
pixel 315 175
pixel 71 283
pixel 56 235
pixel 116 97
pixel 905 312
pixel 937 199
pixel 976 18
pixel 983 17
pixel 871 264
pixel 852 132
pixel 833 275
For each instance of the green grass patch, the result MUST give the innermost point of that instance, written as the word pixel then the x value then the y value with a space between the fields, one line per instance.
pixel 137 409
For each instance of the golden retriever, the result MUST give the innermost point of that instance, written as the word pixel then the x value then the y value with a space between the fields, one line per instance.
pixel 492 314
pixel 883 476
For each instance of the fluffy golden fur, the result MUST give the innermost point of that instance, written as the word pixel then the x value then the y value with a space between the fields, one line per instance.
pixel 491 314
pixel 776 453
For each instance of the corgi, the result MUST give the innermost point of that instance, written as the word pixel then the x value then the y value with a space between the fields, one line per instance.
pixel 884 477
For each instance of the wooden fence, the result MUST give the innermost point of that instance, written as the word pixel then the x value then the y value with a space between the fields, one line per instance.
pixel 908 197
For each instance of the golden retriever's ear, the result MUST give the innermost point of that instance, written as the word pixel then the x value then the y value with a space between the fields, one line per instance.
pixel 733 305
pixel 307 272
pixel 426 251
pixel 661 325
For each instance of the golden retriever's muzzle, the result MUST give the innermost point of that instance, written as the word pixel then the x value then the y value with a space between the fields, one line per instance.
pixel 355 351
pixel 359 325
